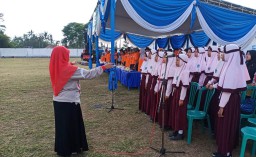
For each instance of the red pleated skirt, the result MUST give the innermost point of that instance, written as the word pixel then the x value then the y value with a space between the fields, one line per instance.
pixel 142 90
pixel 146 94
pixel 227 136
pixel 213 109
pixel 150 96
pixel 178 118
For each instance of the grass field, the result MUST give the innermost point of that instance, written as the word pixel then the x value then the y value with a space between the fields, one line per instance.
pixel 27 119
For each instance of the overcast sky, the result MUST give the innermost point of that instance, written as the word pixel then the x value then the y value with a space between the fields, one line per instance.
pixel 21 16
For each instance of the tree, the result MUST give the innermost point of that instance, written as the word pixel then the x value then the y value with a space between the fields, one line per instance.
pixel 18 42
pixel 74 35
pixel 2 27
pixel 30 39
pixel 4 41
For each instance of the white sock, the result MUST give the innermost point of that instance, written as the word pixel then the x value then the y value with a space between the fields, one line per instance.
pixel 228 154
pixel 180 131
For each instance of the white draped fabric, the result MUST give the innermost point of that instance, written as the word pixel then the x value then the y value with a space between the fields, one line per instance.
pixel 242 42
pixel 161 29
pixel 99 13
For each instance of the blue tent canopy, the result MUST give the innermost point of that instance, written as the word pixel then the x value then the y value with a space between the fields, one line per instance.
pixel 199 39
pixel 107 35
pixel 158 13
pixel 226 24
pixel 162 42
pixel 140 41
pixel 178 41
pixel 154 18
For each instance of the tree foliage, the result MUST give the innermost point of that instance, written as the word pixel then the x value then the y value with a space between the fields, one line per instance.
pixel 4 41
pixel 2 27
pixel 30 39
pixel 74 35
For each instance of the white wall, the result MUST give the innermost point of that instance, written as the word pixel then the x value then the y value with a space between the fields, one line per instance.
pixel 37 52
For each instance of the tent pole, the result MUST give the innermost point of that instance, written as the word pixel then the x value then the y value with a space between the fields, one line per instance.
pixel 112 12
pixel 97 51
pixel 90 53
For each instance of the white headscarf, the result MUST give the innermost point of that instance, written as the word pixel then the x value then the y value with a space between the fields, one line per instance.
pixel 191 60
pixel 203 59
pixel 171 65
pixel 181 72
pixel 147 53
pixel 218 69
pixel 192 49
pixel 232 77
pixel 219 66
pixel 205 53
pixel 161 71
pixel 212 61
pixel 199 63
pixel 221 48
pixel 144 66
pixel 157 64
pixel 183 52
pixel 152 62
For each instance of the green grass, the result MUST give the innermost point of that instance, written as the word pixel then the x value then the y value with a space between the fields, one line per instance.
pixel 27 119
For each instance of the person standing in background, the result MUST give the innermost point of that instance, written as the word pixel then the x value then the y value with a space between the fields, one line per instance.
pixel 230 85
pixel 251 64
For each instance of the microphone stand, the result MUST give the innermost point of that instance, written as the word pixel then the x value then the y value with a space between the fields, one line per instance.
pixel 112 95
pixel 162 150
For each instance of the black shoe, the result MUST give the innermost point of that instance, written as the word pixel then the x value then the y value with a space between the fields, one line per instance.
pixel 177 137
pixel 173 133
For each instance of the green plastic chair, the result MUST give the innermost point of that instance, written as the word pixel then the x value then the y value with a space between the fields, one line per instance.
pixel 243 96
pixel 192 94
pixel 249 133
pixel 252 121
pixel 253 96
pixel 196 114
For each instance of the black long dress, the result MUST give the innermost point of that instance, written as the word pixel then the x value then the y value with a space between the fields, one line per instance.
pixel 69 129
